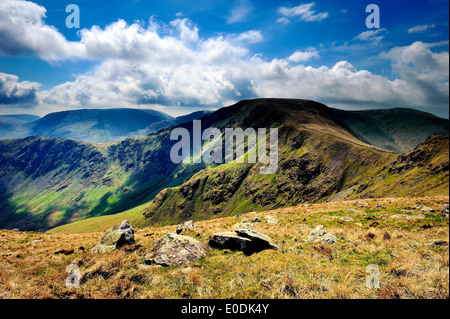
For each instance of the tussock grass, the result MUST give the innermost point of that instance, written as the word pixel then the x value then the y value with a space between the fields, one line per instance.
pixel 411 264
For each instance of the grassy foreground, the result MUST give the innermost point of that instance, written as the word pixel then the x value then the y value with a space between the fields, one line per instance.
pixel 412 255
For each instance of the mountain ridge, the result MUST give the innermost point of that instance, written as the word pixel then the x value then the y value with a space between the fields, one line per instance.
pixel 319 155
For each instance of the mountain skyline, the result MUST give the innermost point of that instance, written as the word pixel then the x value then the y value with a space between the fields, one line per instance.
pixel 178 58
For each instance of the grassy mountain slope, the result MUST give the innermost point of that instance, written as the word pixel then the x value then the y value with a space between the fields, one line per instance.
pixel 48 182
pixel 318 168
pixel 411 253
pixel 398 130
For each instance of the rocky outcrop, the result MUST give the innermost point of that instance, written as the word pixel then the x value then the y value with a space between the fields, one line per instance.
pixel 175 250
pixel 115 238
pixel 245 240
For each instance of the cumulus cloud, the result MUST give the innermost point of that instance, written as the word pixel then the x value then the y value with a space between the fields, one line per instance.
pixel 421 28
pixel 372 35
pixel 303 12
pixel 301 56
pixel 14 92
pixel 426 72
pixel 22 29
pixel 172 65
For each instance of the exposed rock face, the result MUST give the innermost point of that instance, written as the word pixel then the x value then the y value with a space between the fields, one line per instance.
pixel 445 210
pixel 186 226
pixel 320 235
pixel 175 250
pixel 245 240
pixel 115 237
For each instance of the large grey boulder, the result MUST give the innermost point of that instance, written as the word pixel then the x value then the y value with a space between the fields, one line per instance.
pixel 320 235
pixel 175 250
pixel 115 238
pixel 245 240
pixel 229 240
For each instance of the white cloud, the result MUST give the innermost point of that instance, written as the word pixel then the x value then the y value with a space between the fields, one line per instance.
pixel 14 92
pixel 22 29
pixel 372 35
pixel 301 56
pixel 283 20
pixel 171 65
pixel 240 12
pixel 303 12
pixel 425 72
pixel 421 28
pixel 249 37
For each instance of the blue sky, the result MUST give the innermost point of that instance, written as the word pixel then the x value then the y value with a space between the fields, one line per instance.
pixel 181 56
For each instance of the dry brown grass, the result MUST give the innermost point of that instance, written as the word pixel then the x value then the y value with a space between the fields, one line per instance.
pixel 411 265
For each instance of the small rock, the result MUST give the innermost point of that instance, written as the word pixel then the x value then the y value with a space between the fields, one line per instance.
pixel 243 225
pixel 252 220
pixel 175 250
pixel 424 209
pixel 345 219
pixel 320 235
pixel 444 212
pixel 238 216
pixel 186 227
pixel 380 207
pixel 354 211
pixel 403 216
pixel 271 220
pixel 115 238
pixel 36 241
pixel 362 203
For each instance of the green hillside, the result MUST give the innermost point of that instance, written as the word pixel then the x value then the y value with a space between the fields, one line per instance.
pixel 49 182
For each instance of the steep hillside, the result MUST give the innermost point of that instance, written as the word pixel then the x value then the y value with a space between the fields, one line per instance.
pixel 47 182
pixel 317 169
pixel 398 130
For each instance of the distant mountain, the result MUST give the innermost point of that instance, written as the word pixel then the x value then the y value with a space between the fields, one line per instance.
pixel 398 130
pixel 46 182
pixel 154 127
pixel 95 125
pixel 13 126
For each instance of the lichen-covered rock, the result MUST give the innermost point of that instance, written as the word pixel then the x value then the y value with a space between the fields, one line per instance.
pixel 115 238
pixel 175 250
pixel 320 235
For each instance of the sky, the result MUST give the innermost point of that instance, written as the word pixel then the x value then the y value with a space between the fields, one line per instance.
pixel 180 56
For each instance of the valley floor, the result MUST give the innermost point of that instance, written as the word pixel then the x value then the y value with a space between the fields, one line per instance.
pixel 409 246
